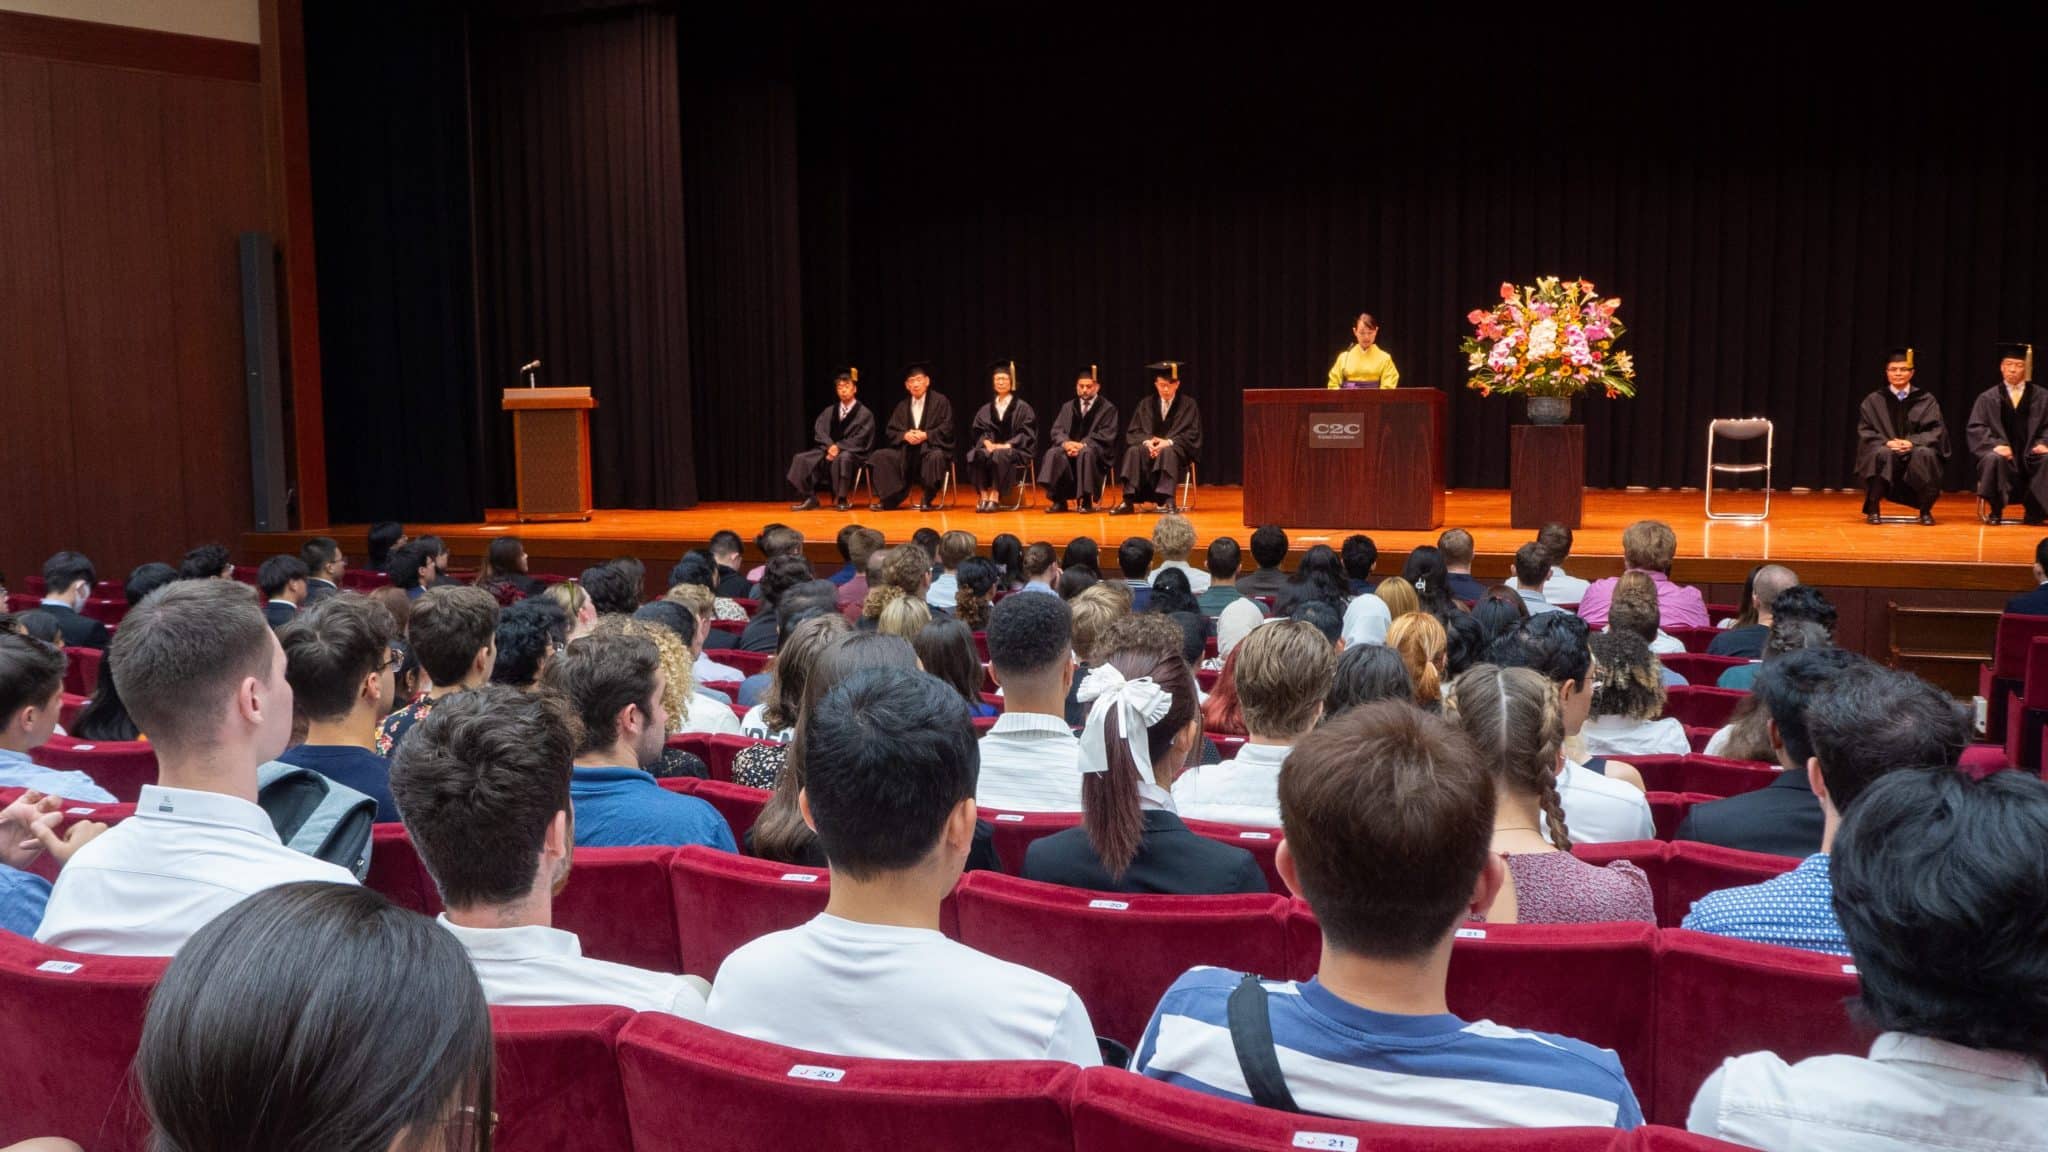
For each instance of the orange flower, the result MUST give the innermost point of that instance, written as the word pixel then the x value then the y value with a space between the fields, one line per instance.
pixel 1507 290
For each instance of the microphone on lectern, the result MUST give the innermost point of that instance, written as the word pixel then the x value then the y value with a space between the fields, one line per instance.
pixel 531 372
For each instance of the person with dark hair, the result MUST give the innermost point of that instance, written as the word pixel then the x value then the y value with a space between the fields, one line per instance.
pixel 1002 439
pixel 454 633
pixel 205 677
pixel 339 661
pixel 1082 552
pixel 1496 614
pixel 68 580
pixel 1269 552
pixel 484 785
pixel 1649 547
pixel 843 542
pixel 889 767
pixel 955 548
pixel 1532 566
pixel 1783 818
pixel 1134 563
pixel 1083 446
pixel 1560 588
pixel 505 563
pixel 1039 569
pixel 1162 443
pixel 731 581
pixel 917 446
pixel 2035 602
pixel 1766 584
pixel 1455 546
pixel 1634 610
pixel 1388 815
pixel 282 1025
pixel 1465 643
pixel 1028 757
pixel 928 538
pixel 1627 716
pixel 861 546
pixel 412 568
pixel 1364 364
pixel 614 680
pixel 1359 554
pixel 1144 722
pixel 1937 887
pixel 31 696
pixel 1074 581
pixel 384 536
pixel 772 721
pixel 1319 576
pixel 1901 442
pixel 1365 673
pixel 611 589
pixel 1224 559
pixel 842 435
pixel 325 566
pixel 1006 552
pixel 1323 616
pixel 105 716
pixel 1864 723
pixel 974 586
pixel 282 580
pixel 1424 571
pixel 147 578
pixel 946 650
pixel 783 573
pixel 437 549
pixel 1281 674
pixel 207 562
pixel 1172 596
pixel 1602 804
pixel 1801 603
pixel 528 636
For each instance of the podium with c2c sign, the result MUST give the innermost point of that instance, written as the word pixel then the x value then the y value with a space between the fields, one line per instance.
pixel 1344 458
pixel 551 450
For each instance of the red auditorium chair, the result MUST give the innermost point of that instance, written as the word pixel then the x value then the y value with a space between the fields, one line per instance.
pixel 1699 668
pixel 2026 709
pixel 697 744
pixel 1207 677
pixel 739 804
pixel 744 662
pixel 731 627
pixel 1227 747
pixel 122 767
pixel 1667 810
pixel 558 1080
pixel 74 1023
pixel 983 723
pixel 1694 639
pixel 1015 831
pixel 1699 707
pixel 690 1088
pixel 24 601
pixel 1718 776
pixel 1659 773
pixel 1649 855
pixel 981 646
pixel 107 610
pixel 2008 667
pixel 396 871
pixel 617 902
pixel 72 704
pixel 1981 760
pixel 730 687
pixel 364 580
pixel 1262 843
pixel 1117 1111
pixel 721 750
pixel 82 670
pixel 719 901
pixel 1656 1138
pixel 1693 870
pixel 1718 998
pixel 1119 951
pixel 1700 739
pixel 748 605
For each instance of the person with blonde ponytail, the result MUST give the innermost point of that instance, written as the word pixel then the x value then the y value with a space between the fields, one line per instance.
pixel 1424 647
pixel 1515 719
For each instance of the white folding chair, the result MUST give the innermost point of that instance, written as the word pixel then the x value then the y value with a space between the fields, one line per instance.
pixel 1739 431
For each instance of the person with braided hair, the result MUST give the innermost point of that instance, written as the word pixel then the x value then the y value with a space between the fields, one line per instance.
pixel 1515 719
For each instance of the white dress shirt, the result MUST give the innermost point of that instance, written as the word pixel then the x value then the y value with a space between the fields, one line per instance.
pixel 1198 580
pixel 1029 763
pixel 710 714
pixel 886 992
pixel 1624 736
pixel 1564 589
pixel 917 412
pixel 708 669
pixel 147 884
pixel 1913 1093
pixel 1245 790
pixel 1602 810
pixel 545 967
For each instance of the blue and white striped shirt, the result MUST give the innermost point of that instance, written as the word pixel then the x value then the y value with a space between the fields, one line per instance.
pixel 1795 910
pixel 1345 1061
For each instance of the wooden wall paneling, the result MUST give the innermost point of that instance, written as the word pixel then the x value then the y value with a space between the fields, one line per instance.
pixel 36 473
pixel 88 42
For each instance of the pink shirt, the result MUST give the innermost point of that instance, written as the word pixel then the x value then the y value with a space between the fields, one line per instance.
pixel 1679 605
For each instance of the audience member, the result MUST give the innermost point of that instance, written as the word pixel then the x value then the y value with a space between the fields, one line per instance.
pixel 1222 713
pixel 1040 569
pixel 528 636
pixel 1359 554
pixel 205 677
pixel 325 566
pixel 1082 552
pixel 1627 717
pixel 282 580
pixel 1143 724
pixel 945 649
pixel 1937 887
pixel 1399 597
pixel 1282 675
pixel 505 563
pixel 955 548
pixel 1172 596
pixel 1634 608
pixel 1233 624
pixel 485 787
pixel 774 540
pixel 1801 603
pixel 860 549
pixel 412 567
pixel 843 542
pixel 774 719
pixel 1074 581
pixel 105 716
pixel 1365 673
pixel 889 783
pixel 1324 617
pixel 28 828
pixel 39 625
pixel 908 572
pixel 454 633
pixel 1419 639
pixel 614 681
pixel 1388 818
pixel 339 662
pixel 147 578
pixel 730 583
pixel 1174 537
pixel 1516 724
pixel 1649 547
pixel 205 562
pixel 677 634
pixel 1425 572
pixel 1602 803
pixel 1223 561
pixel 1560 588
pixel 1366 620
pixel 678 693
pixel 1094 611
pixel 1464 645
pixel 576 605
pixel 1456 548
pixel 1500 612
pixel 31 696
pixel 1269 552
pixel 612 590
pixel 698 598
pixel 384 535
pixel 1006 552
pixel 1029 759
pixel 68 579
pixel 1864 723
pixel 1319 576
pixel 974 591
pixel 1747 637
pixel 904 618
pixel 1134 562
pixel 1532 568
pixel 781 574
pixel 1746 736
pixel 281 1026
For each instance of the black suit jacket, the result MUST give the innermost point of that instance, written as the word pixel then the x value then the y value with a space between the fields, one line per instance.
pixel 318 590
pixel 1170 860
pixel 278 614
pixel 1782 818
pixel 78 631
pixel 734 585
pixel 2033 603
pixel 762 634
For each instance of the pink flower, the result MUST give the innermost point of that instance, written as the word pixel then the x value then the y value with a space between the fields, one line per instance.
pixel 1476 316
pixel 1546 311
pixel 1507 290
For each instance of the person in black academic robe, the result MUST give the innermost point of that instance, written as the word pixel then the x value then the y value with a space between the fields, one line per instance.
pixel 844 432
pixel 1084 442
pixel 1901 442
pixel 917 446
pixel 1002 438
pixel 2008 434
pixel 1165 437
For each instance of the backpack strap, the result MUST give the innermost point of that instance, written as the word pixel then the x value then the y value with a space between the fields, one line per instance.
pixel 1251 1033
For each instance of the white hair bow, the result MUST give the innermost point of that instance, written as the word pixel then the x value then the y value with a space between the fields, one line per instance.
pixel 1140 703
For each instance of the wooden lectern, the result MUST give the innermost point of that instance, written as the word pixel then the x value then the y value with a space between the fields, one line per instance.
pixel 551 444
pixel 1344 458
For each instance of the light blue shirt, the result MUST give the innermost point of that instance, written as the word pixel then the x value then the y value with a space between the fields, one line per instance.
pixel 23 896
pixel 944 592
pixel 1795 910
pixel 625 808
pixel 18 771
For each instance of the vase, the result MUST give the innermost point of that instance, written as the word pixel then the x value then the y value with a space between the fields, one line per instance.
pixel 1549 409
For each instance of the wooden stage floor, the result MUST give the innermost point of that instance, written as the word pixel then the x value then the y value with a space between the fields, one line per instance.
pixel 1822 535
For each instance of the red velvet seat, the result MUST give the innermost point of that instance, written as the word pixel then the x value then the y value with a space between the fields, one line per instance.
pixel 2026 709
pixel 1119 951
pixel 1649 855
pixel 396 871
pixel 617 902
pixel 1693 870
pixel 2008 667
pixel 107 610
pixel 1699 667
pixel 690 1088
pixel 721 750
pixel 731 688
pixel 364 580
pixel 1702 707
pixel 1659 773
pixel 1117 1111
pixel 74 1022
pixel 697 744
pixel 1014 832
pixel 745 662
pixel 1981 760
pixel 749 605
pixel 1694 639
pixel 1262 843
pixel 82 670
pixel 719 901
pixel 1718 998
pixel 1718 776
pixel 23 601
pixel 1667 810
pixel 1656 1138
pixel 1207 677
pixel 731 627
pixel 122 767
pixel 1227 746
pixel 558 1080
pixel 739 804
pixel 1700 739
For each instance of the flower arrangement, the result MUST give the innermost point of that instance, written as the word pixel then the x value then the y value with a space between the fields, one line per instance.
pixel 1555 340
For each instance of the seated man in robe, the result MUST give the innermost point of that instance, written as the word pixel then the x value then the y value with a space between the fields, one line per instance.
pixel 1164 438
pixel 1900 442
pixel 842 433
pixel 2008 435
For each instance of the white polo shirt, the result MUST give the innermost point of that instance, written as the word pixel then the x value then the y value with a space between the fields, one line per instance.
pixel 538 966
pixel 144 886
pixel 1029 763
pixel 1244 790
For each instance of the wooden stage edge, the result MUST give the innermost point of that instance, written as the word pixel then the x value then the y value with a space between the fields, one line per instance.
pixel 1822 536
